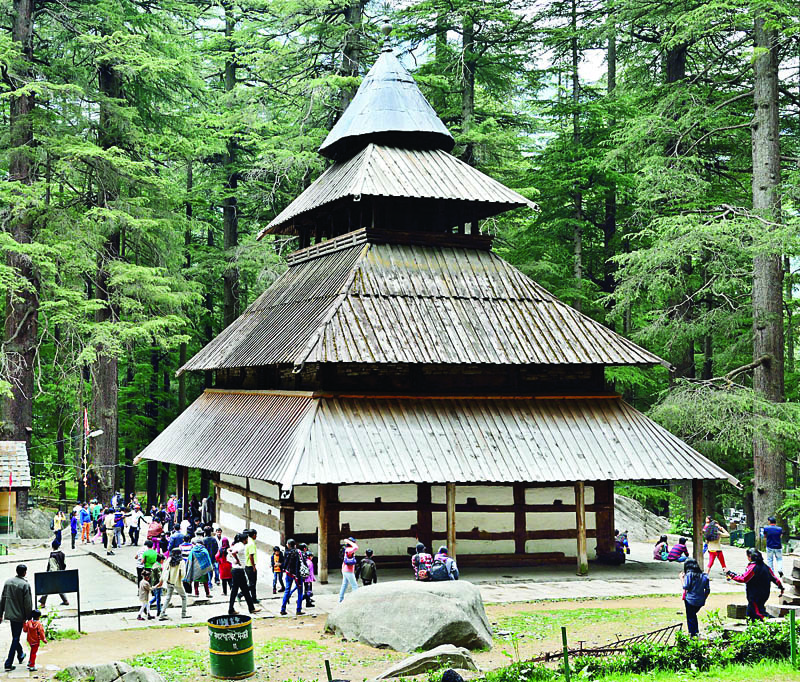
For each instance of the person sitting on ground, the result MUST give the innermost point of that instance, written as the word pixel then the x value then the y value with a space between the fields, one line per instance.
pixel 696 589
pixel 421 563
pixel 367 570
pixel 443 566
pixel 55 562
pixel 758 577
pixel 36 636
pixel 678 552
pixel 661 549
pixel 713 533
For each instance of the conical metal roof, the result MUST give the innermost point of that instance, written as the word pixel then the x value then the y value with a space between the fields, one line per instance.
pixel 388 109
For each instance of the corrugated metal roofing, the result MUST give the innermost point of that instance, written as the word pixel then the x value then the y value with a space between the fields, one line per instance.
pixel 385 303
pixel 14 461
pixel 387 107
pixel 393 172
pixel 305 439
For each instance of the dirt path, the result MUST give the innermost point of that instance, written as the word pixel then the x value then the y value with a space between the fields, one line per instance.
pixel 536 626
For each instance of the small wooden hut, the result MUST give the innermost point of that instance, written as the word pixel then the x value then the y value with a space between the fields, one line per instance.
pixel 401 382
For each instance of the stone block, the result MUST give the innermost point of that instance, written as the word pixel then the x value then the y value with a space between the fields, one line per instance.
pixel 111 672
pixel 738 611
pixel 444 655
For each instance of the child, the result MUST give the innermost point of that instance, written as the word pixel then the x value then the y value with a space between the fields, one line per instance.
pixel 308 594
pixel 36 636
pixel 661 549
pixel 155 572
pixel 145 590
pixel 368 570
pixel 276 561
pixel 73 527
pixel 695 592
pixel 224 564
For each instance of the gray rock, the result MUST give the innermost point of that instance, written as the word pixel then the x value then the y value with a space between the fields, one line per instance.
pixel 111 672
pixel 80 672
pixel 444 655
pixel 142 675
pixel 34 524
pixel 406 615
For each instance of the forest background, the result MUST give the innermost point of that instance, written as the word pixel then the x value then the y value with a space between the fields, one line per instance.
pixel 144 144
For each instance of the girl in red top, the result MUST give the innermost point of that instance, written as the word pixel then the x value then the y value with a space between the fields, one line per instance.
pixel 224 564
pixel 36 635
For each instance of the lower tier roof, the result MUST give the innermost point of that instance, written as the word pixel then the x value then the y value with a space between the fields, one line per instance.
pixel 299 438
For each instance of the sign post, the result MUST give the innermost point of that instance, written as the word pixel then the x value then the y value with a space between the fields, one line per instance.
pixel 57 582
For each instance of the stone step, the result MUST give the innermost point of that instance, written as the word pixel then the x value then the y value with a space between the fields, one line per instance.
pixel 780 610
pixel 790 599
pixel 738 611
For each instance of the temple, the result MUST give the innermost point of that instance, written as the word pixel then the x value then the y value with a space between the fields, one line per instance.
pixel 401 382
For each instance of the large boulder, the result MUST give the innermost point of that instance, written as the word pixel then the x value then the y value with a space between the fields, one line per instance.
pixel 142 675
pixel 444 655
pixel 406 615
pixel 34 524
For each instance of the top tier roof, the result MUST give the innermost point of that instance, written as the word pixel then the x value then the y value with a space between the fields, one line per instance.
pixel 388 109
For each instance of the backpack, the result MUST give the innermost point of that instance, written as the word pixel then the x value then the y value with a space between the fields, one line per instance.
pixel 664 554
pixel 303 570
pixel 52 524
pixel 423 572
pixel 439 571
pixel 367 570
pixel 52 564
pixel 711 532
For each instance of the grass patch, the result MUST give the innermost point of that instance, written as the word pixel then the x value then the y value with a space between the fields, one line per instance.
pixel 69 633
pixel 175 663
pixel 769 671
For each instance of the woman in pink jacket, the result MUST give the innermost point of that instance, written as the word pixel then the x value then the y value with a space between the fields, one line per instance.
pixel 349 562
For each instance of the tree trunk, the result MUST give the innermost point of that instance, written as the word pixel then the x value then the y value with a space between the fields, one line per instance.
pixel 351 51
pixel 21 323
pixel 769 468
pixel 152 415
pixel 230 207
pixel 130 470
pixel 789 295
pixel 187 243
pixel 469 67
pixel 577 197
pixel 610 220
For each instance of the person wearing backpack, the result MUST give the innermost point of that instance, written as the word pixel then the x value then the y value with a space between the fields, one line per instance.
pixel 661 549
pixel 443 567
pixel 712 533
pixel 294 580
pixel 56 562
pixel 421 563
pixel 367 570
pixel 349 562
pixel 696 589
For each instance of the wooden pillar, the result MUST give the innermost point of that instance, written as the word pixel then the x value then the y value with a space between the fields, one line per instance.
pixel 322 533
pixel 580 516
pixel 180 474
pixel 520 523
pixel 604 515
pixel 247 513
pixel 424 515
pixel 450 494
pixel 697 522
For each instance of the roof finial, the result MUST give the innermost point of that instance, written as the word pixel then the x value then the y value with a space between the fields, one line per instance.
pixel 386 29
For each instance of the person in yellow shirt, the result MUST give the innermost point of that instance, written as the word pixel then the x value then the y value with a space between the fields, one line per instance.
pixel 250 563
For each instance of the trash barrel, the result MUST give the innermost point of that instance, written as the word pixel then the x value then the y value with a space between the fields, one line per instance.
pixel 230 647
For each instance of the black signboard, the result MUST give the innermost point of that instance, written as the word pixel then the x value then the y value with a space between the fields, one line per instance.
pixel 57 582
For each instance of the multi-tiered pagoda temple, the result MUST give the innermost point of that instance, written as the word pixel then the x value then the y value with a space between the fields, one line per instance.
pixel 401 382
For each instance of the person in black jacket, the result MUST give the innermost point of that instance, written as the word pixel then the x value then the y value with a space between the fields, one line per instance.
pixel 294 581
pixel 758 577
pixel 56 562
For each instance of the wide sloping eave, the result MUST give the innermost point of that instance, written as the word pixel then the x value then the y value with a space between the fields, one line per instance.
pixel 296 439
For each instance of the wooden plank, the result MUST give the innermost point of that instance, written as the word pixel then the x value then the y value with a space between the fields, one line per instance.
pixel 271 501
pixel 580 518
pixel 247 514
pixel 450 496
pixel 604 515
pixel 466 507
pixel 520 523
pixel 322 533
pixel 270 521
pixel 697 522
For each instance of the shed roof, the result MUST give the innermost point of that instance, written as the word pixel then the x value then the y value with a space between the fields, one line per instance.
pixel 354 301
pixel 380 171
pixel 388 108
pixel 14 462
pixel 304 439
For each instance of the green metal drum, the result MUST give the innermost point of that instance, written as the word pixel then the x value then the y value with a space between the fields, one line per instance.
pixel 230 647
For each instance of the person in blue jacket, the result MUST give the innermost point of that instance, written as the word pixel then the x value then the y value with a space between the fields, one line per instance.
pixel 773 534
pixel 696 589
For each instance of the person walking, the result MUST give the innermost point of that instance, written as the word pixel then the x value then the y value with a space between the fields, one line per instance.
pixel 119 527
pixel 238 578
pixel 73 527
pixel 198 566
pixel 211 544
pixel 36 636
pixel 276 564
pixel 757 577
pixel 294 579
pixel 135 524
pixel 59 521
pixel 85 519
pixel 773 535
pixel 251 563
pixel 713 533
pixel 158 585
pixel 108 524
pixel 145 590
pixel 16 605
pixel 309 580
pixel 55 562
pixel 174 574
pixel 224 565
pixel 349 562
pixel 696 589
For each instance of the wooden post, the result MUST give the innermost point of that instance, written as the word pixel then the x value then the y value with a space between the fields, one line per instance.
pixel 450 498
pixel 580 516
pixel 322 533
pixel 247 513
pixel 697 522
